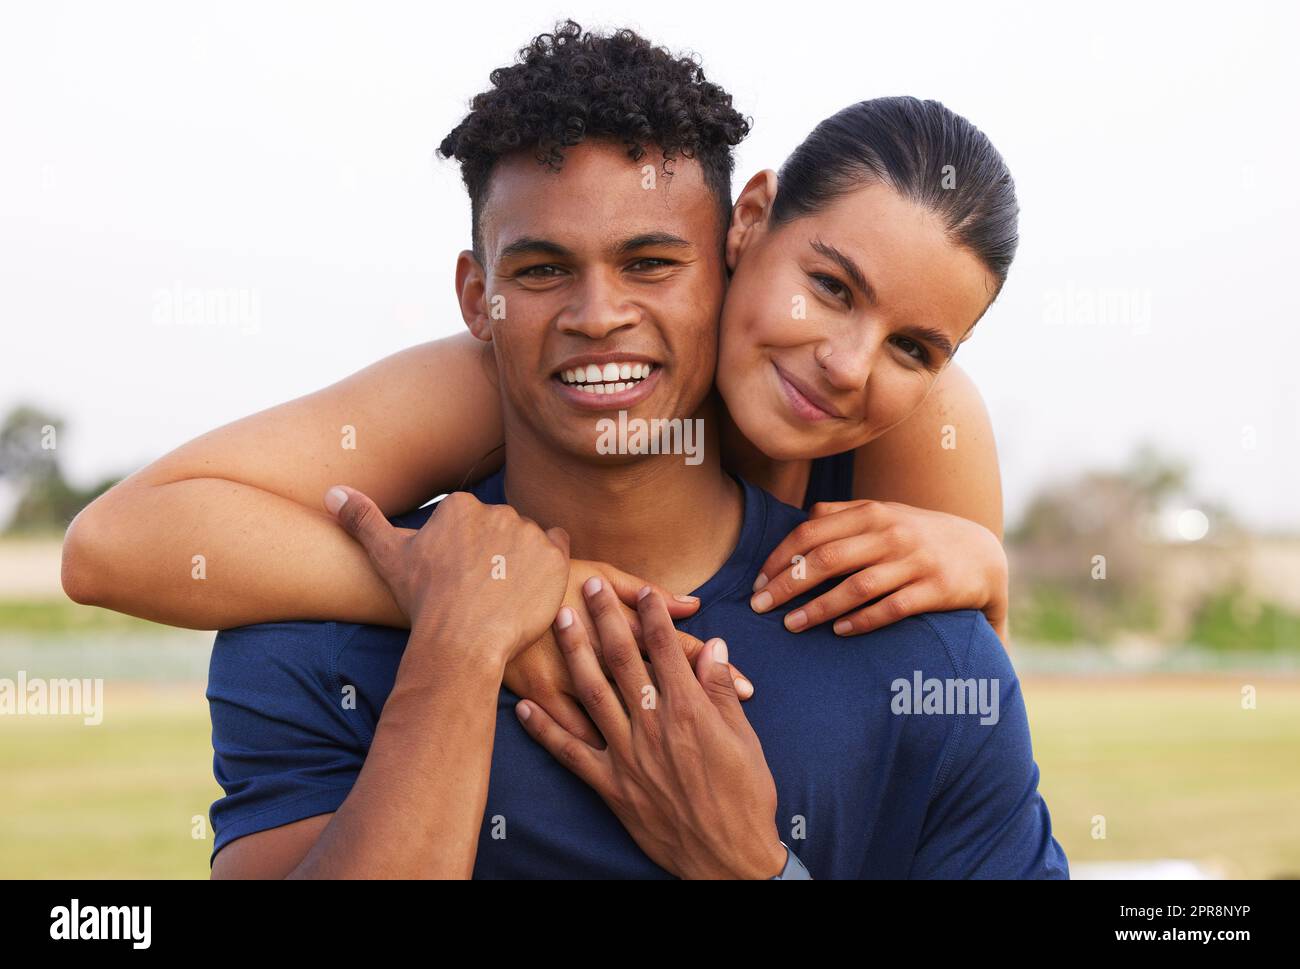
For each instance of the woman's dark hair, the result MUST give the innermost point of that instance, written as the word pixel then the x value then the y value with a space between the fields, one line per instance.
pixel 923 151
pixel 571 85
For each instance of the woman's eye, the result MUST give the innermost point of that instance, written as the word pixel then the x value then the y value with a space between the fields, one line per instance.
pixel 913 349
pixel 832 286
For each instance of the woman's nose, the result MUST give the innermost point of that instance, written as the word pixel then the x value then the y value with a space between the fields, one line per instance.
pixel 847 363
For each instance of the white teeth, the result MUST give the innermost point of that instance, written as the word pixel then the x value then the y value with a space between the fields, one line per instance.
pixel 612 378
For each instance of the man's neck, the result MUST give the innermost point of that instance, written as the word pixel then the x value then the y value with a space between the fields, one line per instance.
pixel 655 516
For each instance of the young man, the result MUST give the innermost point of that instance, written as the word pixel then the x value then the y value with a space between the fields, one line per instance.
pixel 355 750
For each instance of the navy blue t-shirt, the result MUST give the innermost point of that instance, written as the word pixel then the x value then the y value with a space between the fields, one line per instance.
pixel 830 479
pixel 865 788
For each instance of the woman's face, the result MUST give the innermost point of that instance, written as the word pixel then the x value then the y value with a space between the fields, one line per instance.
pixel 836 325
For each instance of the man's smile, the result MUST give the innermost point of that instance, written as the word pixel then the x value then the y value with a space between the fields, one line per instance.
pixel 607 381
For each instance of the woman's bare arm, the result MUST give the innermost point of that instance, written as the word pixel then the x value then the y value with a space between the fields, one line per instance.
pixel 942 457
pixel 247 498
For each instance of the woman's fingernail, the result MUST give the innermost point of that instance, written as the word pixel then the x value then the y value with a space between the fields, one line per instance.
pixel 761 602
pixel 687 599
pixel 645 591
pixel 564 619
pixel 744 688
pixel 719 651
pixel 760 581
pixel 796 620
pixel 335 499
pixel 591 586
pixel 843 627
pixel 524 710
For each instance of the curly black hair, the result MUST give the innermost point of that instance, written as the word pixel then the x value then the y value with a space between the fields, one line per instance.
pixel 572 84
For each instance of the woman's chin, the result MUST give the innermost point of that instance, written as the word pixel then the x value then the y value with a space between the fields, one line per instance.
pixel 771 434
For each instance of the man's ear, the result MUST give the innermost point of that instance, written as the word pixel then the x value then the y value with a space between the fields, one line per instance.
pixel 471 292
pixel 750 214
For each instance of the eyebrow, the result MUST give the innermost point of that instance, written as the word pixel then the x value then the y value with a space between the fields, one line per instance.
pixel 929 334
pixel 649 240
pixel 937 338
pixel 856 276
pixel 533 246
pixel 536 246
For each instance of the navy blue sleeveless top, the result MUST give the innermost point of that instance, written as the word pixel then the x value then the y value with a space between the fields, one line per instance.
pixel 831 480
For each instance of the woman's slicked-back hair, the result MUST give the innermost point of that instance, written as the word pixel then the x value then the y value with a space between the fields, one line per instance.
pixel 927 154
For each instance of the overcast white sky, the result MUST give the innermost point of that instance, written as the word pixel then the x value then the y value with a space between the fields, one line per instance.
pixel 283 154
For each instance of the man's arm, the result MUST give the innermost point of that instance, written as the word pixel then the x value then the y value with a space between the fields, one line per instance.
pixel 415 808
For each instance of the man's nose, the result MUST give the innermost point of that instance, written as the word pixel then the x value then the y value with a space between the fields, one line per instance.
pixel 600 307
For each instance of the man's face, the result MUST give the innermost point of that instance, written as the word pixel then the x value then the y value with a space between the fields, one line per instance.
pixel 600 290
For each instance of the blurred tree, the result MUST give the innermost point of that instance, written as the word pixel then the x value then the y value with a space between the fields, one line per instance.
pixel 29 465
pixel 1087 555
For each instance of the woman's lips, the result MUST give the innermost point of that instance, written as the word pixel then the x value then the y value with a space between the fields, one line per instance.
pixel 800 402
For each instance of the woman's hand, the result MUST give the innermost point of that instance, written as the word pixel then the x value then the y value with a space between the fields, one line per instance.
pixel 899 561
pixel 682 768
pixel 540 672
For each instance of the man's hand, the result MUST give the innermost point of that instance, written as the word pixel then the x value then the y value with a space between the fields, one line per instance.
pixel 479 579
pixel 682 768
pixel 479 584
pixel 541 673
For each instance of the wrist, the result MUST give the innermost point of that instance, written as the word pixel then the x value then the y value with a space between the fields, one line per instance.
pixel 765 863
pixel 777 857
pixel 997 578
pixel 435 649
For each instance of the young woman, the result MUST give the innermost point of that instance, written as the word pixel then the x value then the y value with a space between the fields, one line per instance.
pixel 855 274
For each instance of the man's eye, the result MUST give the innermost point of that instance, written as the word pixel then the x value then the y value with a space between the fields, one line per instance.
pixel 650 263
pixel 539 272
pixel 832 286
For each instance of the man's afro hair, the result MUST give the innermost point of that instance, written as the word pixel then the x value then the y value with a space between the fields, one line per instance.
pixel 571 85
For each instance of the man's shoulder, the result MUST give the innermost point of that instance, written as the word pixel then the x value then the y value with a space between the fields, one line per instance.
pixel 301 650
pixel 959 644
pixel 252 654
pixel 969 642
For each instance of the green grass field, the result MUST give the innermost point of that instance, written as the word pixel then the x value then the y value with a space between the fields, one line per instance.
pixel 1175 766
